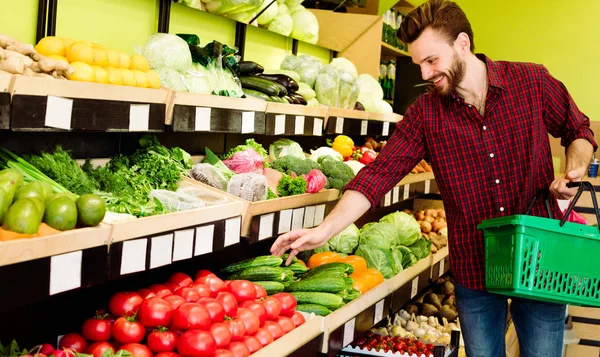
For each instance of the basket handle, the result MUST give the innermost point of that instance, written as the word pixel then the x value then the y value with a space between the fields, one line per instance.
pixel 544 192
pixel 582 185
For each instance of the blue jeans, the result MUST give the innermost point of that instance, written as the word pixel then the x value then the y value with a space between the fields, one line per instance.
pixel 539 325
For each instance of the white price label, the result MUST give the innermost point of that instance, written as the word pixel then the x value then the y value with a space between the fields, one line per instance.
pixel 318 127
pixel 378 312
pixel 309 216
pixel 58 112
pixel 139 117
pixel 406 192
pixel 319 215
pixel 387 200
pixel 65 272
pixel 265 229
pixel 161 251
pixel 205 236
pixel 339 125
pixel 232 231
pixel 133 256
pixel 386 128
pixel 279 124
pixel 298 218
pixel 427 186
pixel 363 127
pixel 349 332
pixel 247 122
pixel 395 195
pixel 183 245
pixel 202 119
pixel 441 267
pixel 299 127
pixel 414 289
pixel 285 221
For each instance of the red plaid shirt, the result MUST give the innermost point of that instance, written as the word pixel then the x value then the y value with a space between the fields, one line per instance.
pixel 486 166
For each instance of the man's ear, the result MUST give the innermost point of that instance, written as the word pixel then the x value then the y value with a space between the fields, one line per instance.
pixel 462 43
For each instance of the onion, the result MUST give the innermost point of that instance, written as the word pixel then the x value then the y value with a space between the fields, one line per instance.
pixel 440 219
pixel 431 213
pixel 436 226
pixel 442 213
pixel 425 227
pixel 420 215
pixel 429 219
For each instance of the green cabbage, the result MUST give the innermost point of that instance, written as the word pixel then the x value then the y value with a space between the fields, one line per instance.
pixel 171 78
pixel 285 147
pixel 307 67
pixel 270 13
pixel 306 25
pixel 327 86
pixel 381 235
pixel 346 241
pixel 164 50
pixel 397 261
pixel 407 228
pixel 421 248
pixel 370 92
pixel 282 23
pixel 345 64
pixel 348 90
pixel 380 259
pixel 408 257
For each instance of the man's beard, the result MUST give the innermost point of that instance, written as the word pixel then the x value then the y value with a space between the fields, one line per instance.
pixel 455 75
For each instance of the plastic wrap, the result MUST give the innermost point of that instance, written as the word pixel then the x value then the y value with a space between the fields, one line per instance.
pixel 210 175
pixel 250 187
pixel 164 50
pixel 246 161
pixel 316 181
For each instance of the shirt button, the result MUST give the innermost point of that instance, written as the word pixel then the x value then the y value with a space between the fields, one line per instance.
pixel 491 155
pixel 501 209
pixel 470 105
pixel 497 181
pixel 484 127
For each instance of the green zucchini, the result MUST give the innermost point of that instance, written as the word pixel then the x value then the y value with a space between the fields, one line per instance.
pixel 249 67
pixel 313 308
pixel 330 301
pixel 326 284
pixel 263 85
pixel 256 94
pixel 271 287
pixel 264 260
pixel 259 274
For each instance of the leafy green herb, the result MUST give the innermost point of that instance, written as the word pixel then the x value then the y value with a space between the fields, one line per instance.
pixel 289 186
pixel 270 194
pixel 30 173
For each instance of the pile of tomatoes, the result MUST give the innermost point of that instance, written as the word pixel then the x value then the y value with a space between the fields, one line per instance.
pixel 204 317
pixel 410 346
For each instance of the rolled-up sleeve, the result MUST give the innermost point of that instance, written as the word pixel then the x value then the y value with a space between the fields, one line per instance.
pixel 403 151
pixel 562 116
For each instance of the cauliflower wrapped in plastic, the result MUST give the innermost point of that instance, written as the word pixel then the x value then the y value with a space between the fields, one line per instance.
pixel 165 50
pixel 307 67
pixel 306 25
pixel 349 90
pixel 282 23
pixel 327 86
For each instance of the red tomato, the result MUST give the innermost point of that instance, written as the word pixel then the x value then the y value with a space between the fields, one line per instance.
pixel 171 286
pixel 213 282
pixel 189 294
pixel 286 324
pixel 196 343
pixel 63 353
pixel 252 343
pixel 236 327
pixel 202 290
pixel 243 290
pixel 226 282
pixel 167 354
pixel 160 290
pixel 274 328
pixel 137 350
pixel 181 279
pixel 260 291
pixel 175 301
pixel 220 332
pixel 264 337
pixel 223 353
pixel 298 319
pixel 288 303
pixel 215 309
pixel 97 349
pixel 162 341
pixel 124 303
pixel 47 349
pixel 191 316
pixel 203 273
pixel 146 293
pixel 128 330
pixel 272 307
pixel 96 329
pixel 155 312
pixel 250 320
pixel 239 349
pixel 258 308
pixel 73 341
pixel 229 303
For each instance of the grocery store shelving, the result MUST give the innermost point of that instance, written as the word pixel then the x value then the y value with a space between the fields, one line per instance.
pixel 5 84
pixel 289 119
pixel 411 186
pixel 391 51
pixel 440 263
pixel 355 122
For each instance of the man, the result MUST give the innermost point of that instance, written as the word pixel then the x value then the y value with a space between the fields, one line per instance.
pixel 485 129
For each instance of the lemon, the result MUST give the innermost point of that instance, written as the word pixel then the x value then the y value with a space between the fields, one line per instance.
pixel 58 58
pixel 141 80
pixel 128 77
pixel 100 74
pixel 153 79
pixel 112 58
pixel 140 63
pixel 115 76
pixel 90 210
pixel 67 42
pixel 83 72
pixel 96 45
pixel 124 60
pixel 100 57
pixel 50 45
pixel 80 52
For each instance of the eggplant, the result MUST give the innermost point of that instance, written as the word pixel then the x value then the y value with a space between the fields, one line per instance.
pixel 359 106
pixel 298 99
pixel 287 81
pixel 250 68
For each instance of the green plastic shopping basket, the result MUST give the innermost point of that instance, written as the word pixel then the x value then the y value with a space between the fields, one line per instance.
pixel 543 258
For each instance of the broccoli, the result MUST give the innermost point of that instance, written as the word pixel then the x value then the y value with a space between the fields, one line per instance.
pixel 289 164
pixel 250 144
pixel 289 186
pixel 338 174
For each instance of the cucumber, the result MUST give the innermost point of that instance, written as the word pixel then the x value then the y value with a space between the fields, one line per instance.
pixel 271 287
pixel 337 266
pixel 264 260
pixel 297 268
pixel 326 284
pixel 330 301
pixel 319 310
pixel 289 274
pixel 349 281
pixel 286 255
pixel 263 85
pixel 263 273
pixel 256 94
pixel 351 295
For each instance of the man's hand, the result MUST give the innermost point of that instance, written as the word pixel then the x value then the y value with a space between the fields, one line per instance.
pixel 299 240
pixel 559 186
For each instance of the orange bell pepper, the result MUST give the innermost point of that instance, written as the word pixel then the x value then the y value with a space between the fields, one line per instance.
pixel 359 263
pixel 323 258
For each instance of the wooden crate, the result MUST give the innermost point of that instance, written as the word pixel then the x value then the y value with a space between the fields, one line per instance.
pixel 586 323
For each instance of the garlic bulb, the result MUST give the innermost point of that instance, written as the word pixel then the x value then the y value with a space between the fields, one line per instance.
pixel 419 332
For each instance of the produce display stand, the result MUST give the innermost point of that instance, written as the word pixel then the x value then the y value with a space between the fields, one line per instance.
pixel 45 104
pixel 440 263
pixel 411 186
pixel 5 84
pixel 289 119
pixel 300 342
pixel 356 122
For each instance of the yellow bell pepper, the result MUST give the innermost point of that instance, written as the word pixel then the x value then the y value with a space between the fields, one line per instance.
pixel 344 145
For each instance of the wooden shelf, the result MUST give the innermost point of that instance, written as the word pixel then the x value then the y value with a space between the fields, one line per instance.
pixel 391 51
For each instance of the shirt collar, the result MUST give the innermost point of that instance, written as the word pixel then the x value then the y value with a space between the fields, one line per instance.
pixel 496 77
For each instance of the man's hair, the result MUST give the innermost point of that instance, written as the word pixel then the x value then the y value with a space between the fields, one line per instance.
pixel 441 15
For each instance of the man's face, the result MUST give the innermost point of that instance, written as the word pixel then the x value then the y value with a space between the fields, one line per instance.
pixel 439 61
